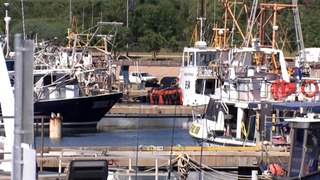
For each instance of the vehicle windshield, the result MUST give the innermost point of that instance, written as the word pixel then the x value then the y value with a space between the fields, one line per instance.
pixel 145 74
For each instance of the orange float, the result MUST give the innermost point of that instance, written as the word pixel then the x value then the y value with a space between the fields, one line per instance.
pixel 166 96
pixel 311 94
pixel 276 169
pixel 280 89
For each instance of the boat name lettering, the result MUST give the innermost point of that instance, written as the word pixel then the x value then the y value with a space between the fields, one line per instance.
pixel 99 104
pixel 188 74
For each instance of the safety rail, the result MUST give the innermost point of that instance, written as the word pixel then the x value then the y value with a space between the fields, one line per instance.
pixel 65 156
pixel 207 71
pixel 249 90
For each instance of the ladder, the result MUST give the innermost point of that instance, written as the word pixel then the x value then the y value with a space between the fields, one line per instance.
pixel 299 37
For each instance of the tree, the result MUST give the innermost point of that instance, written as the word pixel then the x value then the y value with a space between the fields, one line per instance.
pixel 173 44
pixel 152 42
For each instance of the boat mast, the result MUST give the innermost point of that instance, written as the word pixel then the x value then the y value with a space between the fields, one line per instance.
pixel 7 19
pixel 201 18
pixel 297 25
pixel 251 22
pixel 23 23
pixel 70 13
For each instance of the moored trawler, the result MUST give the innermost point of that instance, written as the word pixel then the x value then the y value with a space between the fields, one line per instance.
pixel 77 104
pixel 74 81
pixel 256 73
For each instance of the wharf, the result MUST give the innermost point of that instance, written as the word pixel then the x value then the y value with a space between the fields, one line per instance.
pixel 148 109
pixel 158 158
pixel 162 156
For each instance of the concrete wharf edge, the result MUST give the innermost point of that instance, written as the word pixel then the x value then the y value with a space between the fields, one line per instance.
pixel 215 157
pixel 144 109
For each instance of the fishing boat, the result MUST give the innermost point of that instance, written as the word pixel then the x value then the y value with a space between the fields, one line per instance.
pixel 75 81
pixel 77 103
pixel 256 74
pixel 84 92
pixel 199 71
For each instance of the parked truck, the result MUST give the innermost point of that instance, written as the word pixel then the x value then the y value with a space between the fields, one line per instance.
pixel 143 77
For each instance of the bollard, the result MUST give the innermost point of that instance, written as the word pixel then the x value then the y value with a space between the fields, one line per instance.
pixel 55 126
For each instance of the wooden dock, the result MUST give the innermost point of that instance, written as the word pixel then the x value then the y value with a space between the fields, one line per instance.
pixel 162 157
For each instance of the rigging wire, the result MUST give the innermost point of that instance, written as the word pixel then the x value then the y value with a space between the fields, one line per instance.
pixel 233 24
pixel 172 140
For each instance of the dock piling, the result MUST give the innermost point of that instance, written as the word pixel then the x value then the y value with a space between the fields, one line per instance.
pixel 55 126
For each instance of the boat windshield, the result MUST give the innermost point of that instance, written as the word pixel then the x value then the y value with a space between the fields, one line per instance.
pixel 204 58
pixel 205 86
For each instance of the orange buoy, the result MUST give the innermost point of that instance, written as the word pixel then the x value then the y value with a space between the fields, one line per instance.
pixel 310 94
pixel 280 89
pixel 276 169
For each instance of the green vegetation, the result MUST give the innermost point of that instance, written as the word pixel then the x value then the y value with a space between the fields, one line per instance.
pixel 154 25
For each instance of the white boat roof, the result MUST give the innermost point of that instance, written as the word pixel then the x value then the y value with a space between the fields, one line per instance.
pixel 199 49
pixel 303 120
pixel 250 49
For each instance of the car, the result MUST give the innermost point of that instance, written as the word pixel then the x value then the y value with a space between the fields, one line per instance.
pixel 143 77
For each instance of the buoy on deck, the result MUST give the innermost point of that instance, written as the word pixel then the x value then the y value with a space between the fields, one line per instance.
pixel 55 126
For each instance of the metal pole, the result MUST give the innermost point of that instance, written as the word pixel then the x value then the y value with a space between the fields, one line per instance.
pixel 127 46
pixel 70 13
pixel 7 19
pixel 24 121
pixel 17 158
pixel 304 151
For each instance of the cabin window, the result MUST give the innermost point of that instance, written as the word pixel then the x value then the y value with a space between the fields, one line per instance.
pixel 188 59
pixel 204 58
pixel 311 151
pixel 206 87
pixel 191 61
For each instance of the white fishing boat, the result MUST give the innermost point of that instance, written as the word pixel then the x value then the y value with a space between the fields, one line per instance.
pixel 199 71
pixel 256 74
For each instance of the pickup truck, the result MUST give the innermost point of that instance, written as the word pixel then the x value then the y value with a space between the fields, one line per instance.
pixel 139 77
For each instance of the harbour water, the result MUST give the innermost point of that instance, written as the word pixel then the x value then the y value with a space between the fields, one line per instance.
pixel 157 134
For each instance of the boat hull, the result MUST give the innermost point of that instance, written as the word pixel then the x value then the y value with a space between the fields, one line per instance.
pixel 78 110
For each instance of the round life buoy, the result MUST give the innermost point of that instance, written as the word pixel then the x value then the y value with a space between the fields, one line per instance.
pixel 309 94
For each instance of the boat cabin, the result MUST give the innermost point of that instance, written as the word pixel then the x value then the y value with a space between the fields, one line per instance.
pixel 199 73
pixel 304 152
